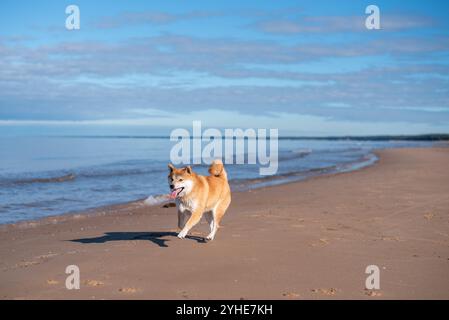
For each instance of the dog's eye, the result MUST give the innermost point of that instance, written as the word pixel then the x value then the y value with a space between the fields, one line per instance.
pixel 180 180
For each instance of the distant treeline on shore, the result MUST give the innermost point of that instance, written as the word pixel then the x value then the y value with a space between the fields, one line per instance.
pixel 422 137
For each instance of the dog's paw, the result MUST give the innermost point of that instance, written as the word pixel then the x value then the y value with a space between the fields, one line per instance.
pixel 210 238
pixel 182 235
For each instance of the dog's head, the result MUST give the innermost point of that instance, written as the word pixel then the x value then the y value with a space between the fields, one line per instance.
pixel 180 181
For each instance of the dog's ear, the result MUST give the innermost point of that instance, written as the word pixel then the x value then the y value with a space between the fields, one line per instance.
pixel 171 167
pixel 188 169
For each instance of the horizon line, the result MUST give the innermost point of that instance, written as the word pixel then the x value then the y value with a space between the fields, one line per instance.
pixel 379 137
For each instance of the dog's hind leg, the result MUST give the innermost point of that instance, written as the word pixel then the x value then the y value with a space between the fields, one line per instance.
pixel 211 221
pixel 213 229
pixel 217 215
pixel 214 224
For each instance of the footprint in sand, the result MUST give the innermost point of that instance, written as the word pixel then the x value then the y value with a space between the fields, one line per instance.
pixel 373 293
pixel 183 294
pixel 36 260
pixel 128 290
pixel 322 242
pixel 26 264
pixel 93 283
pixel 388 238
pixel 291 295
pixel 47 256
pixel 326 292
pixel 429 216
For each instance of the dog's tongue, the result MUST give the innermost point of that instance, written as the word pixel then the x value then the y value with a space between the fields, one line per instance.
pixel 173 194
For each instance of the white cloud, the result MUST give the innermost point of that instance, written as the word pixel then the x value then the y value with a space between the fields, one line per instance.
pixel 333 24
pixel 287 123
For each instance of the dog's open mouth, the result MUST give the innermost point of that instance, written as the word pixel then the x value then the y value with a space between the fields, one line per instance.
pixel 175 192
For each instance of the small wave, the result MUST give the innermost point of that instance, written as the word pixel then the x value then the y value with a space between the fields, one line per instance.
pixel 302 151
pixel 286 176
pixel 64 178
pixel 80 174
pixel 118 173
pixel 338 150
pixel 42 204
pixel 246 184
pixel 295 154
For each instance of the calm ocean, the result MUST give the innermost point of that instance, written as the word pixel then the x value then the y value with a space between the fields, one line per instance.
pixel 43 176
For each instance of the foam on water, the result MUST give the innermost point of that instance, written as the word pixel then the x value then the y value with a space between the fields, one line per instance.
pixel 156 199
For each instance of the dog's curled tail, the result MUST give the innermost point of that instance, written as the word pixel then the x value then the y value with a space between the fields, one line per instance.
pixel 217 169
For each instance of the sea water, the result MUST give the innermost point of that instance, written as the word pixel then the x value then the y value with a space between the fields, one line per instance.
pixel 44 176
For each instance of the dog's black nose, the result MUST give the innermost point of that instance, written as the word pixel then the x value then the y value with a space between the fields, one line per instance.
pixel 172 186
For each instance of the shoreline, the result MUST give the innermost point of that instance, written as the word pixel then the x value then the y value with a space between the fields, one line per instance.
pixel 301 240
pixel 62 213
pixel 113 208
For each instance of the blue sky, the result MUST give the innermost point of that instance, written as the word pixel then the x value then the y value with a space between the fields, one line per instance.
pixel 144 67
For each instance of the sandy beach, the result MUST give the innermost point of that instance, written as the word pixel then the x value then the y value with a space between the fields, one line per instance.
pixel 304 240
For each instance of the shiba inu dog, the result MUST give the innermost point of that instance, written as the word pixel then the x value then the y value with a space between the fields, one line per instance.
pixel 197 195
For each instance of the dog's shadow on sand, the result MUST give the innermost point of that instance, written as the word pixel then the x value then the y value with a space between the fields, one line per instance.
pixel 159 238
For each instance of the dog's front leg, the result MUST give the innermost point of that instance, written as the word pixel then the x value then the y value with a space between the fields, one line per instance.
pixel 183 216
pixel 195 217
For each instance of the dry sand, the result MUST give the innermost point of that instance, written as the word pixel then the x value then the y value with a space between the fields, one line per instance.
pixel 305 240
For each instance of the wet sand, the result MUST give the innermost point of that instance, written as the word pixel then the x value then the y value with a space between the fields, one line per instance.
pixel 303 240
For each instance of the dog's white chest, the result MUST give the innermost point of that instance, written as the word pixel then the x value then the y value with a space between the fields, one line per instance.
pixel 186 205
